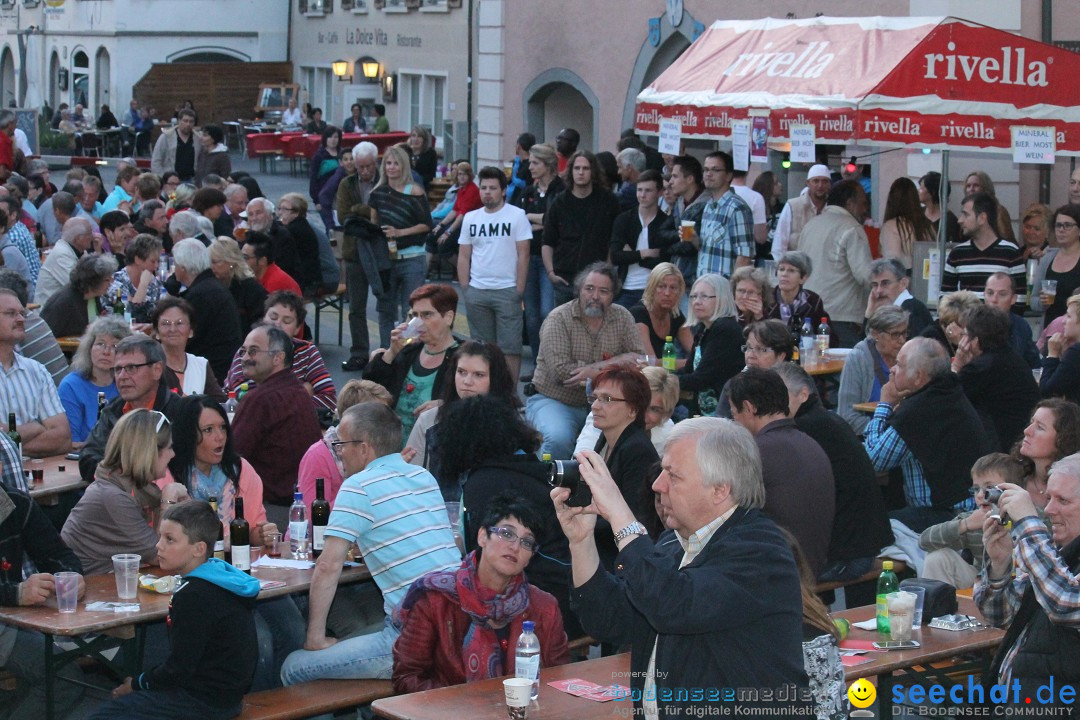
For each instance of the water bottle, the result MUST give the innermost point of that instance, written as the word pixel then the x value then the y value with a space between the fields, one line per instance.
pixel 806 342
pixel 230 406
pixel 669 354
pixel 887 583
pixel 527 657
pixel 298 527
pixel 823 338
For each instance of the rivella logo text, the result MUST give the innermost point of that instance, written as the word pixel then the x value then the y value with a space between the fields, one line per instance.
pixel 1010 68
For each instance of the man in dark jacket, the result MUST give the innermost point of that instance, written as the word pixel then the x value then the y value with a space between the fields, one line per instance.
pixel 1000 293
pixel 715 602
pixel 996 380
pixel 860 524
pixel 216 319
pixel 25 533
pixel 140 364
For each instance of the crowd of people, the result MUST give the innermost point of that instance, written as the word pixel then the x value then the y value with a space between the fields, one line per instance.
pixel 720 482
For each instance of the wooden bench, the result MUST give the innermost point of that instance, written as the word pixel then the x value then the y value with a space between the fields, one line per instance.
pixel 308 699
pixel 872 574
pixel 579 648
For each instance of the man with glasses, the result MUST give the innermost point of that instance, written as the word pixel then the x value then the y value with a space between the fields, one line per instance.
pixel 361 273
pixel 727 224
pixel 799 491
pixel 276 422
pixel 394 512
pixel 137 370
pixel 27 389
pixel 578 340
pixel 889 286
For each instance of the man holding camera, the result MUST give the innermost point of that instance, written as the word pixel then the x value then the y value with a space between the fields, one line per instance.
pixel 715 602
pixel 1030 586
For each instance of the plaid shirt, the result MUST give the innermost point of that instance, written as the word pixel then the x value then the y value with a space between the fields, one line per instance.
pixel 727 232
pixel 12 476
pixel 887 450
pixel 22 239
pixel 1038 564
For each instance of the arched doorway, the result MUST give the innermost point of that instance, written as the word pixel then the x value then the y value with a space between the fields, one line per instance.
pixel 54 80
pixel 559 98
pixel 80 78
pixel 655 59
pixel 102 79
pixel 8 91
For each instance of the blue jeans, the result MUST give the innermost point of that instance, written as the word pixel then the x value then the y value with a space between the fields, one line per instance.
pixel 558 422
pixel 539 301
pixel 162 705
pixel 405 276
pixel 368 656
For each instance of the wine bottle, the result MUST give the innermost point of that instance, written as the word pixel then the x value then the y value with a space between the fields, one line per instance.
pixel 219 544
pixel 320 518
pixel 240 536
pixel 13 432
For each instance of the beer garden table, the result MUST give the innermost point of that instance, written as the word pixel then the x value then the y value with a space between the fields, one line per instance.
pixel 55 481
pixel 128 627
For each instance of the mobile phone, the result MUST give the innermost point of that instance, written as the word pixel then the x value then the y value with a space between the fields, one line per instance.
pixel 897 645
pixel 72 456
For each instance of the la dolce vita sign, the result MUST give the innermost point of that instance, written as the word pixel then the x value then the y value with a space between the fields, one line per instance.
pixel 373 37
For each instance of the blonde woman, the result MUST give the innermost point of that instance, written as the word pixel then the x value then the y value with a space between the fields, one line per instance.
pixel 399 206
pixel 120 511
pixel 658 314
pixel 228 266
pixel 951 307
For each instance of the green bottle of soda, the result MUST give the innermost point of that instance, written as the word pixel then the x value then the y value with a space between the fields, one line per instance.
pixel 887 583
pixel 669 354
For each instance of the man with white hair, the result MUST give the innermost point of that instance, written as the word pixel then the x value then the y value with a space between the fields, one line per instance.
pixel 631 163
pixel 261 218
pixel 1029 586
pixel 351 204
pixel 798 210
pixel 75 239
pixel 215 319
pixel 185 224
pixel 715 601
pixel 236 201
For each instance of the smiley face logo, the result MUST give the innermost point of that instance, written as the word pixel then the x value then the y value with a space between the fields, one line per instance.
pixel 862 693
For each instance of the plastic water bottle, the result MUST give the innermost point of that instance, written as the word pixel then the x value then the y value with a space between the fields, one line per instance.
pixel 230 406
pixel 887 583
pixel 669 354
pixel 806 343
pixel 527 657
pixel 823 338
pixel 298 527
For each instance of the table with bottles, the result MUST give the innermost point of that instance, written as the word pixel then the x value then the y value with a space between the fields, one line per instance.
pixel 58 474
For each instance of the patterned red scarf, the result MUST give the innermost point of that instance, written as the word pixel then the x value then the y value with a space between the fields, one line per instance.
pixel 482 652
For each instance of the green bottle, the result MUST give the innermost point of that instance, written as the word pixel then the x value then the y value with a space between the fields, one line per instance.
pixel 13 432
pixel 887 583
pixel 669 354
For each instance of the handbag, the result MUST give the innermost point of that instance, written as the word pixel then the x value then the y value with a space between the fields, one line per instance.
pixel 940 598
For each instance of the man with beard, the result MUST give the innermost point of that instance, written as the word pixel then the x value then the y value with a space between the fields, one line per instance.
pixel 260 217
pixel 971 263
pixel 578 340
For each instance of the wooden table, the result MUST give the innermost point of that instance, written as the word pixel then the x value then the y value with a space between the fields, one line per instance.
pixel 866 407
pixel 128 627
pixel 55 480
pixel 832 365
pixel 69 344
pixel 937 646
pixel 484 700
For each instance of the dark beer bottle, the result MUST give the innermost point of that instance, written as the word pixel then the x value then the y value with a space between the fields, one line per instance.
pixel 13 433
pixel 320 518
pixel 240 536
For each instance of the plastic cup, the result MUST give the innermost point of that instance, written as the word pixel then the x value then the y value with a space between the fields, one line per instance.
pixel 686 230
pixel 901 614
pixel 412 329
pixel 37 470
pixel 1049 287
pixel 272 543
pixel 920 598
pixel 126 568
pixel 518 696
pixel 67 591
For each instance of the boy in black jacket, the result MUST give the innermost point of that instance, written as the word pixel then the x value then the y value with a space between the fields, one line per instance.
pixel 211 628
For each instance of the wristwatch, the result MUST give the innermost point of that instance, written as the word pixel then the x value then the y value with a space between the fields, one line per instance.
pixel 634 528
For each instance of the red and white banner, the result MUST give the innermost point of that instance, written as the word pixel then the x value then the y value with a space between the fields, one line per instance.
pixel 928 82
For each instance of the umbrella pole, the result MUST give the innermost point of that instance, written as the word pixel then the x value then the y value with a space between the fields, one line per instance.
pixel 943 203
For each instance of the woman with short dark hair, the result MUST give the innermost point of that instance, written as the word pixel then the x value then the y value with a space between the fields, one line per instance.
pixel 184 373
pixel 213 156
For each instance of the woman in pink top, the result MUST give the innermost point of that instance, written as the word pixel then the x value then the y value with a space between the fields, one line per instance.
pixel 208 466
pixel 320 461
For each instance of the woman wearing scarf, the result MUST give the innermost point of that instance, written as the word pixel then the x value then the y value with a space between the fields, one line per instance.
pixel 463 626
pixel 120 511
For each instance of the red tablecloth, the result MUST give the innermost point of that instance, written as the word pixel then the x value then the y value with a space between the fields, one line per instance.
pixel 267 141
pixel 293 144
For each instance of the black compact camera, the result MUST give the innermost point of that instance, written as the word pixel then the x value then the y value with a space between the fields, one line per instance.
pixel 991 496
pixel 567 474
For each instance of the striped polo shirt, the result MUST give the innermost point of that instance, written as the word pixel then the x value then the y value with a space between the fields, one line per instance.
pixel 395 513
pixel 27 390
pixel 968 267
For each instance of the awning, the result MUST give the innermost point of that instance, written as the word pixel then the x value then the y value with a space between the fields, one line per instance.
pixel 940 83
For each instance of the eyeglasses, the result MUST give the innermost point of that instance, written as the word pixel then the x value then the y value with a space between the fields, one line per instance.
pixel 897 334
pixel 509 536
pixel 167 324
pixel 1064 226
pixel 694 297
pixel 338 444
pixel 755 349
pixel 253 351
pixel 603 399
pixel 104 347
pixel 119 370
pixel 15 313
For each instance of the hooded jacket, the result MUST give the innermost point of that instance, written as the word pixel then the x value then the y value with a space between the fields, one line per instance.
pixel 212 633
